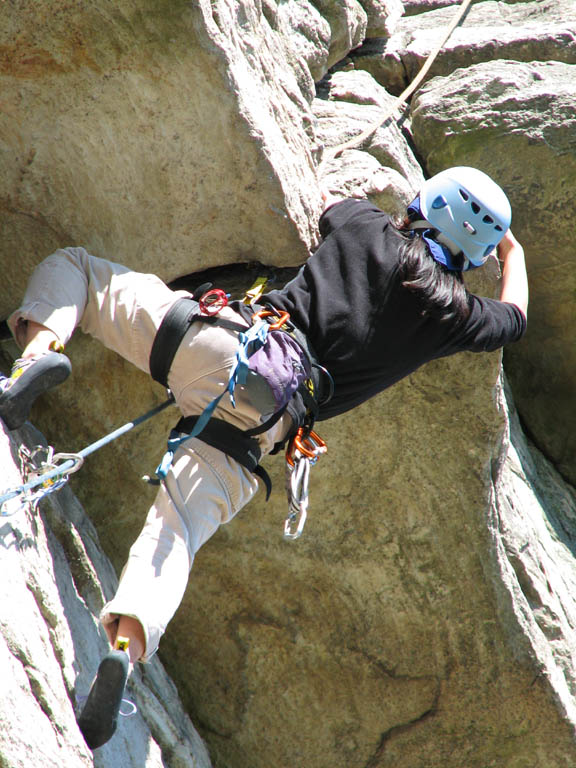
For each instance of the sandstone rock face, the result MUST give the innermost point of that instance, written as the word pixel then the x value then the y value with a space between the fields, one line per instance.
pixel 347 21
pixel 386 169
pixel 535 512
pixel 382 16
pixel 54 581
pixel 533 31
pixel 340 119
pixel 426 617
pixel 522 127
pixel 109 137
pixel 388 630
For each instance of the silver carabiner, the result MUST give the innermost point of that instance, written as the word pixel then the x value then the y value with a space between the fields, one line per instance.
pixel 297 488
pixel 34 464
pixel 74 457
pixel 293 516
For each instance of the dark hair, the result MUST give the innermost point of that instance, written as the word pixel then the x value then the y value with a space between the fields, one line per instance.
pixel 441 291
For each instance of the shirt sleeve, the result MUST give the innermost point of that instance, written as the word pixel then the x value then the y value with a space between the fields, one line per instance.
pixel 343 212
pixel 492 324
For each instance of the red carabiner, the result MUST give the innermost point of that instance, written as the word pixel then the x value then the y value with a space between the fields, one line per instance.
pixel 213 301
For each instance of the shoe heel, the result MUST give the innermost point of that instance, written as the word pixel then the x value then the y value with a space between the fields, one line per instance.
pixel 99 717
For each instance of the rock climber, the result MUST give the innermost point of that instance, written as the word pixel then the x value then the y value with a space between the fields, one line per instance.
pixel 379 298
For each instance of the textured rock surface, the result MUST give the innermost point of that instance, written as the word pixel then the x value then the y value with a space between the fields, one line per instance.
pixel 382 16
pixel 535 540
pixel 426 618
pixel 347 21
pixel 386 636
pixel 533 31
pixel 340 119
pixel 54 581
pixel 109 137
pixel 523 127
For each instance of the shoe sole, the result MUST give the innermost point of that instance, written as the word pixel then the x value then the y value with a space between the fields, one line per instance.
pixel 99 717
pixel 43 375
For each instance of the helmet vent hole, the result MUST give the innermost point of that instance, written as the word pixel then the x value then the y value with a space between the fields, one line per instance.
pixel 464 195
pixel 475 208
pixel 439 202
pixel 488 219
pixel 498 228
pixel 469 228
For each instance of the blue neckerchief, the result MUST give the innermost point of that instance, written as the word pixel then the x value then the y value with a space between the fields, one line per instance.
pixel 440 252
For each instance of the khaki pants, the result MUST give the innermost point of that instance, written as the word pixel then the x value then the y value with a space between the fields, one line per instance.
pixel 205 488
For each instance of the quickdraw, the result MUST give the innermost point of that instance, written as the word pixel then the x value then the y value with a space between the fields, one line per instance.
pixel 301 454
pixel 46 475
pixel 43 472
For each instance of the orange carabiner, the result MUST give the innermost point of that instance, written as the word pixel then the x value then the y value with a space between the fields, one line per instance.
pixel 283 318
pixel 310 446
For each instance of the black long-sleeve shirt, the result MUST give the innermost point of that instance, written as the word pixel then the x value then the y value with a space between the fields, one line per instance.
pixel 366 328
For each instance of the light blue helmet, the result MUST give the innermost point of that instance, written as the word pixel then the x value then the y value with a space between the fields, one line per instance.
pixel 469 209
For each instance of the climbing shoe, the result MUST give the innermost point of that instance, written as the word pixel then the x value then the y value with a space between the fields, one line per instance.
pixel 30 378
pixel 99 716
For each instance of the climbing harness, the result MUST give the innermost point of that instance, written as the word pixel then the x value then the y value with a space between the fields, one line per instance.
pixel 301 454
pixel 315 386
pixel 45 472
pixel 249 340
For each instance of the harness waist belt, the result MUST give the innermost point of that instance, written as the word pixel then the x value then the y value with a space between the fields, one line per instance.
pixel 186 311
